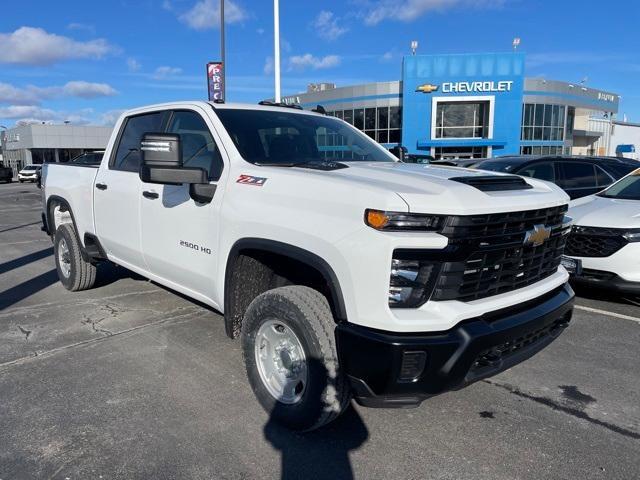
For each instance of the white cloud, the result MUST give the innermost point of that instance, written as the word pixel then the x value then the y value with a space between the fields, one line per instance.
pixel 260 31
pixel 205 14
pixel 83 89
pixel 35 46
pixel 327 26
pixel 27 112
pixel 409 10
pixel 302 62
pixel 387 56
pixel 82 27
pixel 268 66
pixel 111 117
pixel 163 72
pixel 32 95
pixel 133 65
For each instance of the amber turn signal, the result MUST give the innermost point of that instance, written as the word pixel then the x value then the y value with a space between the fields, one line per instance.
pixel 377 219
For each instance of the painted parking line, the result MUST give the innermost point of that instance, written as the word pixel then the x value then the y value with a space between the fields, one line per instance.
pixel 610 314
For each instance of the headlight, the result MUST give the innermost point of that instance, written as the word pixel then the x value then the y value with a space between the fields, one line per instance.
pixel 632 235
pixel 401 222
pixel 412 280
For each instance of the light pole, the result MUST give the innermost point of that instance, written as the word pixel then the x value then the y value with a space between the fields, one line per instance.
pixel 276 48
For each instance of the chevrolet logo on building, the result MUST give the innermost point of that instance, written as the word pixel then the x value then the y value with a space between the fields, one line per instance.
pixel 537 236
pixel 427 88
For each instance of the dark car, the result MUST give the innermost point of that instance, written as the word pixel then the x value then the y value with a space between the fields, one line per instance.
pixel 6 174
pixel 578 176
pixel 89 158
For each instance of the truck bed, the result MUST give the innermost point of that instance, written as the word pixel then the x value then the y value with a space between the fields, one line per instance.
pixel 74 184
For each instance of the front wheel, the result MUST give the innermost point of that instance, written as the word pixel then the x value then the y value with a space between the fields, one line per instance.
pixel 289 349
pixel 74 272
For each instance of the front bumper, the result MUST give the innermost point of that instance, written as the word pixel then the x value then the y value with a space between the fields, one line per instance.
pixel 605 280
pixel 375 361
pixel 30 178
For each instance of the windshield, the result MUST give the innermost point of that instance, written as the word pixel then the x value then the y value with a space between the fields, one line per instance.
pixel 282 138
pixel 626 189
pixel 496 166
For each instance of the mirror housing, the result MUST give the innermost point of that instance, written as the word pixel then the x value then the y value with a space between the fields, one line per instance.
pixel 161 161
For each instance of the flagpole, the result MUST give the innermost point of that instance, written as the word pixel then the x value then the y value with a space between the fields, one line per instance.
pixel 276 48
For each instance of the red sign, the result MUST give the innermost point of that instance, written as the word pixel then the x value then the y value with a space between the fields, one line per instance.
pixel 215 81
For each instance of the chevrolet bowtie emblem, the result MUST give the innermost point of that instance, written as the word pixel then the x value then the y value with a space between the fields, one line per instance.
pixel 537 236
pixel 427 88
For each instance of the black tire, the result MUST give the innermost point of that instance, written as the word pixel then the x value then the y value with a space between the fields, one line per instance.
pixel 307 313
pixel 82 274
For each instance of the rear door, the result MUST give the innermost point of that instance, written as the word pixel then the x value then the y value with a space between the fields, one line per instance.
pixel 541 170
pixel 578 179
pixel 117 191
pixel 180 235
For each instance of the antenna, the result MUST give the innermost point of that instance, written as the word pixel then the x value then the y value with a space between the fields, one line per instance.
pixel 414 46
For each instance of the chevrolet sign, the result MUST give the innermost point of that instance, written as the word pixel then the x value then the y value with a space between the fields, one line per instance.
pixel 427 88
pixel 537 236
pixel 470 87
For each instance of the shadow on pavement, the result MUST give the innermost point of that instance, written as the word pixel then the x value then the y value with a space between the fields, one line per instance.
pixel 25 289
pixel 20 226
pixel 319 454
pixel 25 260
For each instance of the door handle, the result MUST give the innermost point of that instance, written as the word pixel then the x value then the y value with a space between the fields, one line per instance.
pixel 150 195
pixel 101 186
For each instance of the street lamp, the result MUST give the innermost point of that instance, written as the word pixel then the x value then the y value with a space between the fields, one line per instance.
pixel 414 46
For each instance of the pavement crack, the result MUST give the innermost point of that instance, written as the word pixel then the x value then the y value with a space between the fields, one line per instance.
pixel 25 332
pixel 574 411
pixel 95 325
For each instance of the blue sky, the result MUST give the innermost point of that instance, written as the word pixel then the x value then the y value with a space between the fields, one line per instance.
pixel 85 61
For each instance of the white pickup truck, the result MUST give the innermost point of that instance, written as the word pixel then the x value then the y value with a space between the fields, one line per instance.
pixel 344 272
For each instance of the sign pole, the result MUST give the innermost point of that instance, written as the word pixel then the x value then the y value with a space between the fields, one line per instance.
pixel 276 48
pixel 222 50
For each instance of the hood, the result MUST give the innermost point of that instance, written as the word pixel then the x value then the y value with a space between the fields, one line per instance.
pixel 428 188
pixel 594 211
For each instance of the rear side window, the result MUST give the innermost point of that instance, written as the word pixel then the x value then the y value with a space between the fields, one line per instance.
pixel 199 149
pixel 602 178
pixel 542 171
pixel 578 175
pixel 619 171
pixel 128 154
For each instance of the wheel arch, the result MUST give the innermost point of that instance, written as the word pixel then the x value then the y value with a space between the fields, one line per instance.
pixel 285 251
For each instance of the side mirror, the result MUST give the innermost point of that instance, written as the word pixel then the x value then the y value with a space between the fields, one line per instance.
pixel 161 161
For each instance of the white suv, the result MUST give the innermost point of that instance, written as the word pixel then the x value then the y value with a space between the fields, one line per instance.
pixel 30 173
pixel 605 240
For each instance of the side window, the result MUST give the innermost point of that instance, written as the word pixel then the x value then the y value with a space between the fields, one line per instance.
pixel 128 154
pixel 578 175
pixel 602 177
pixel 542 171
pixel 199 149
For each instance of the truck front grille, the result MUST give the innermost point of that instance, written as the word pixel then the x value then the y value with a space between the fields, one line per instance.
pixel 595 241
pixel 487 256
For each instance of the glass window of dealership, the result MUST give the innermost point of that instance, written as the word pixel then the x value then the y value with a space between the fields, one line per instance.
pixel 472 106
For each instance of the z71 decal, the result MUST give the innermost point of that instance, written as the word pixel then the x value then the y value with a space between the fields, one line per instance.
pixel 251 180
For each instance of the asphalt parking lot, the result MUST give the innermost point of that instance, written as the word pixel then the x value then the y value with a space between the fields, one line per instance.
pixel 131 380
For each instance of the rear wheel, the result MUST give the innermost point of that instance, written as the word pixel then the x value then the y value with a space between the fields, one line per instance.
pixel 74 272
pixel 291 360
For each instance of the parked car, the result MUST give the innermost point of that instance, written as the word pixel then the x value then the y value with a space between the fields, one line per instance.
pixel 605 241
pixel 344 271
pixel 88 158
pixel 578 176
pixel 6 174
pixel 30 173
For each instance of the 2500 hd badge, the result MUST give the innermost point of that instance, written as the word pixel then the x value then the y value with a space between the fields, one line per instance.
pixel 193 246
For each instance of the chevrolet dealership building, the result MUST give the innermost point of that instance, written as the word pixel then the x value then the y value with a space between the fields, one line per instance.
pixel 472 106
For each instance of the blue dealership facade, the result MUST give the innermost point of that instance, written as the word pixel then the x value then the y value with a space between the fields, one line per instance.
pixel 471 106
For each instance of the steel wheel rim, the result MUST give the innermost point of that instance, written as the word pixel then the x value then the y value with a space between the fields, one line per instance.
pixel 64 258
pixel 281 361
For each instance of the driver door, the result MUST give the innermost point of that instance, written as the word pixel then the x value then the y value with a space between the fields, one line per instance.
pixel 179 235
